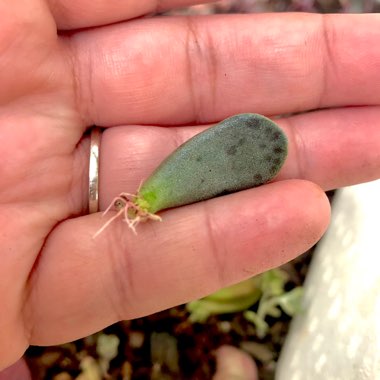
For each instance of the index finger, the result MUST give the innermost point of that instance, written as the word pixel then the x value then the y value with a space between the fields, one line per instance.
pixel 188 70
pixel 89 13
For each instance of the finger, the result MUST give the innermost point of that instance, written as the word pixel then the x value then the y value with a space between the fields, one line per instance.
pixel 186 70
pixel 88 13
pixel 194 251
pixel 333 148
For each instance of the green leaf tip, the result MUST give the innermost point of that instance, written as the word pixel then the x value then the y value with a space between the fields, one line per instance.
pixel 241 152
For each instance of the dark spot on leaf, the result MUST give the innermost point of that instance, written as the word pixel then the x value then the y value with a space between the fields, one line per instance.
pixel 252 123
pixel 268 157
pixel 277 161
pixel 224 192
pixel 241 141
pixel 268 131
pixel 199 158
pixel 273 168
pixel 231 150
pixel 277 150
pixel 276 136
pixel 258 177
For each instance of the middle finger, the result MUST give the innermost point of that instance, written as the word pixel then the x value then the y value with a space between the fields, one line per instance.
pixel 333 148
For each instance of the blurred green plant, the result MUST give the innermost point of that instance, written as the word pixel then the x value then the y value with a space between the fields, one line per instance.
pixel 274 298
pixel 97 369
pixel 266 292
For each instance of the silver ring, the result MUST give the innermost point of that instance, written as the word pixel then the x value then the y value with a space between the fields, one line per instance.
pixel 93 171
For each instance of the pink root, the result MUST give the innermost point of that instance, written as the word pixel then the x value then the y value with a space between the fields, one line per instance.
pixel 133 214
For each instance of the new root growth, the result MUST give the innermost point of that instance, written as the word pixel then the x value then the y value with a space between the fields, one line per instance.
pixel 127 206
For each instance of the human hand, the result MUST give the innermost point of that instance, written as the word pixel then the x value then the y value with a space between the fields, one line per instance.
pixel 57 283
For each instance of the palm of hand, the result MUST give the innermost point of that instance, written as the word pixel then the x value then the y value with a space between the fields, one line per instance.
pixel 39 172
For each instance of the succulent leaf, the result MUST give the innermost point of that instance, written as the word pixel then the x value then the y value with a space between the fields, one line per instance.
pixel 241 152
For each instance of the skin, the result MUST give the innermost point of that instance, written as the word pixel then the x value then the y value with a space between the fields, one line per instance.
pixel 56 282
